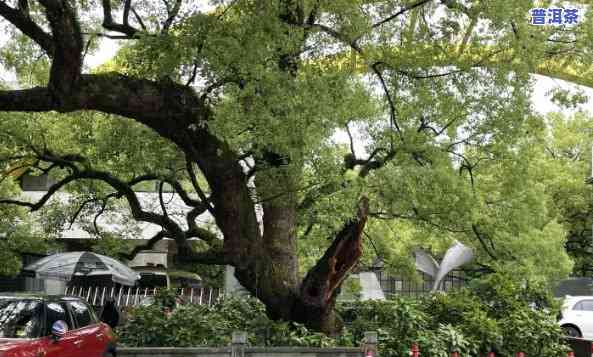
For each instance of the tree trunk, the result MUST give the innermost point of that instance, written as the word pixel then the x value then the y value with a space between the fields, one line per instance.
pixel 311 301
pixel 266 263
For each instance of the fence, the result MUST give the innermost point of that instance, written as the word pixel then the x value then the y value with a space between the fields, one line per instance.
pixel 397 285
pixel 132 296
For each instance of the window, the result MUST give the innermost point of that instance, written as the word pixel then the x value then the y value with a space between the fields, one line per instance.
pixel 584 305
pixel 20 318
pixel 57 311
pixel 83 316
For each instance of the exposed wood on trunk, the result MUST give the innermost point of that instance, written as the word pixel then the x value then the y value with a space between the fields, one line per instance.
pixel 265 264
pixel 322 284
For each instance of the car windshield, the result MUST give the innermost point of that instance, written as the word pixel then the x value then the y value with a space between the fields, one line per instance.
pixel 20 318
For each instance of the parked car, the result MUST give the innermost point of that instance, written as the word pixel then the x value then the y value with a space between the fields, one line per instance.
pixel 576 318
pixel 52 326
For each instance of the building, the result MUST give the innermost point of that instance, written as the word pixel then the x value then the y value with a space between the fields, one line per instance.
pixel 75 238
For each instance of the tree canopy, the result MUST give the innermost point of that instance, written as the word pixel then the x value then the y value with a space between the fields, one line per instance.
pixel 235 107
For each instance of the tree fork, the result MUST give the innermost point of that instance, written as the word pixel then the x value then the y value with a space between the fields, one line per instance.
pixel 178 114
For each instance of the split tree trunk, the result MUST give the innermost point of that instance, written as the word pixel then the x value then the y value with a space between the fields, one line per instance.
pixel 312 300
pixel 267 264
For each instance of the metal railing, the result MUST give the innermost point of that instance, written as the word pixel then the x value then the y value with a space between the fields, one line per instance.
pixel 133 296
pixel 396 285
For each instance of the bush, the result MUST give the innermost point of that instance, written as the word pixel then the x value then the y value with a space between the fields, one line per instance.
pixel 201 325
pixel 398 323
pixel 495 314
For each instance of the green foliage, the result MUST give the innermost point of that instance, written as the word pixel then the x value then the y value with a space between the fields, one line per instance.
pixel 567 148
pixel 165 298
pixel 458 151
pixel 112 246
pixel 26 59
pixel 398 323
pixel 17 235
pixel 497 314
pixel 202 325
pixel 350 289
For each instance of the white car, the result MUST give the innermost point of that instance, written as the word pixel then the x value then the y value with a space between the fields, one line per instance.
pixel 576 318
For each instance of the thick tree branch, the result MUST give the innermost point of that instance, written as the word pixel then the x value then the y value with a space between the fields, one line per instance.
pixel 111 25
pixel 166 107
pixel 68 47
pixel 21 20
pixel 375 164
pixel 126 13
pixel 43 200
pixel 205 235
pixel 30 100
pixel 23 6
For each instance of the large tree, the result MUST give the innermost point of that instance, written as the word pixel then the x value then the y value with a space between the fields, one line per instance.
pixel 234 107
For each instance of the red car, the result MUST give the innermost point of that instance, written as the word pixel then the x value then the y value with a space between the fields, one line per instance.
pixel 52 326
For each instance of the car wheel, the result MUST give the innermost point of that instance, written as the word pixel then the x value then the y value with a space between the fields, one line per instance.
pixel 108 354
pixel 572 331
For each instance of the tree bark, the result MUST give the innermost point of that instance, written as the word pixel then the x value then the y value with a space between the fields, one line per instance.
pixel 321 286
pixel 266 263
pixel 312 300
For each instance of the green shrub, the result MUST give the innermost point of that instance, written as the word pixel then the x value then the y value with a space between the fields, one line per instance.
pixel 501 314
pixel 398 323
pixel 201 325
pixel 495 314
